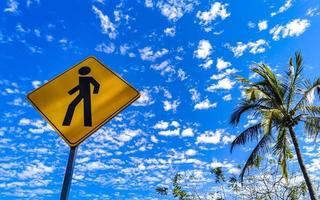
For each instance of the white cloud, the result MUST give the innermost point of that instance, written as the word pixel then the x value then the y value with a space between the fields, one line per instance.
pixel 188 132
pixel 165 67
pixel 228 139
pixel 38 126
pixel 210 137
pixel 294 28
pixel 30 2
pixel 238 50
pixel 36 83
pixel 182 74
pixel 257 47
pixel 123 49
pixel 37 32
pixel 11 91
pixel 221 64
pixel 148 54
pixel 35 169
pixel 229 166
pixel 154 139
pixel 21 29
pixel 254 47
pixel 207 64
pixel 25 122
pixel 171 32
pixel 191 152
pixel 195 95
pixel 314 164
pixel 161 125
pixel 18 102
pixel 117 15
pixel 145 98
pixel 49 38
pixel 105 48
pixel 174 10
pixel 313 12
pixel 224 74
pixel 96 165
pixel 175 132
pixel 173 105
pixel 263 25
pixel 65 44
pixel 12 6
pixel 128 134
pixel 166 92
pixel 251 24
pixel 141 167
pixel 204 49
pixel 35 49
pixel 225 84
pixel 251 120
pixel 148 3
pixel 204 105
pixel 175 124
pixel 107 26
pixel 283 8
pixel 217 10
pixel 227 97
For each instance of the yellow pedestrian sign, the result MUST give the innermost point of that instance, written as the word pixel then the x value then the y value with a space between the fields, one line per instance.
pixel 82 99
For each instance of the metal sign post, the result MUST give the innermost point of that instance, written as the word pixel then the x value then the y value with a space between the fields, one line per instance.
pixel 68 174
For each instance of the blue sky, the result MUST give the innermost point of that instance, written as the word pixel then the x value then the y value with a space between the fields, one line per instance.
pixel 181 55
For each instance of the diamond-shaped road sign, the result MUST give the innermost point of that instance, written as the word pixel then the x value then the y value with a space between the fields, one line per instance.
pixel 82 99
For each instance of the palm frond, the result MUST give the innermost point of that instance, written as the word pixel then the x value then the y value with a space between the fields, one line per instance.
pixel 284 168
pixel 243 107
pixel 270 117
pixel 243 80
pixel 315 87
pixel 271 82
pixel 240 110
pixel 311 110
pixel 255 93
pixel 255 155
pixel 282 149
pixel 294 75
pixel 249 134
pixel 312 126
pixel 299 66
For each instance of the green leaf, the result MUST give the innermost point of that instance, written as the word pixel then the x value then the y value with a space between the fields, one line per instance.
pixel 247 135
pixel 312 126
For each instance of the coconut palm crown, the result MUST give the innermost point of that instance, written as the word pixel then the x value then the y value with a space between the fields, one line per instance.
pixel 279 103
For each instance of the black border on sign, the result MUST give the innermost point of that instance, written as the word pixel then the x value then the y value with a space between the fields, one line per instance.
pixel 99 125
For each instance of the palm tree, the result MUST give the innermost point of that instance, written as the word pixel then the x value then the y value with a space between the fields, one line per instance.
pixel 279 103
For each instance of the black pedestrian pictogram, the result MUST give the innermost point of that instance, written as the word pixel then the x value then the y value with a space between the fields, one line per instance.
pixel 84 94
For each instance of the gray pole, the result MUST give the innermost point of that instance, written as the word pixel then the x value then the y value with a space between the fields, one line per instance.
pixel 68 174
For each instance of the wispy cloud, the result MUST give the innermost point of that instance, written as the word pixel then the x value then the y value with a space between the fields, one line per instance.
pixel 106 25
pixel 110 48
pixel 148 54
pixel 294 28
pixel 223 84
pixel 204 105
pixel 217 10
pixel 256 47
pixel 283 8
pixel 173 10
pixel 12 6
pixel 263 25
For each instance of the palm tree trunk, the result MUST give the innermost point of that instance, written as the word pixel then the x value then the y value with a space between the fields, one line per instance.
pixel 303 168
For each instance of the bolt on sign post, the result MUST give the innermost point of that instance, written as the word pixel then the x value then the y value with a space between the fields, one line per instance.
pixel 79 101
